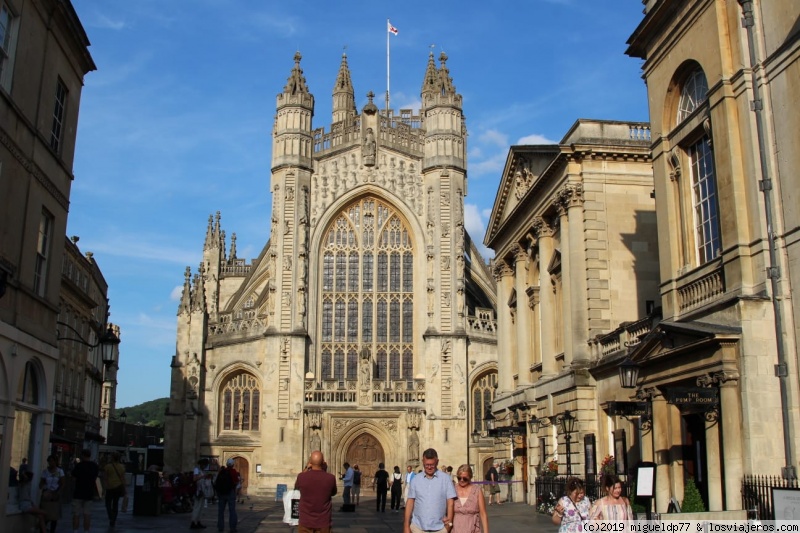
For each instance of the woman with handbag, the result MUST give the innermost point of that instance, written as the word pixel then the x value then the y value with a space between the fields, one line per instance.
pixel 51 483
pixel 572 510
pixel 114 478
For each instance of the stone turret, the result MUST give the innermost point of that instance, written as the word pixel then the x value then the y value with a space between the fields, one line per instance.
pixel 444 122
pixel 292 139
pixel 344 100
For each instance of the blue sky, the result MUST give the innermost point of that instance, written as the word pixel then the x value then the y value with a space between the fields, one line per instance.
pixel 175 124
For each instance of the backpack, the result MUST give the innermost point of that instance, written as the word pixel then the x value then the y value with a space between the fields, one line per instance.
pixel 357 477
pixel 224 482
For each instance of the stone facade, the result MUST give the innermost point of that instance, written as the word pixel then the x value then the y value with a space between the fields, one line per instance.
pixel 42 66
pixel 367 318
pixel 725 141
pixel 574 231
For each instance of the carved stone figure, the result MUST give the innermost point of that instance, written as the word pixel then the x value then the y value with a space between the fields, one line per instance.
pixel 413 446
pixel 316 442
pixel 368 149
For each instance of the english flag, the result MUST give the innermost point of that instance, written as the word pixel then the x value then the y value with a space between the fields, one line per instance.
pixel 392 29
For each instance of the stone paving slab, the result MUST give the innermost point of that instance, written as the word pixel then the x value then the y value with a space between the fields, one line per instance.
pixel 263 515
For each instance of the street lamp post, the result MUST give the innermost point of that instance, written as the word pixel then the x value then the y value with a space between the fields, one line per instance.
pixel 567 422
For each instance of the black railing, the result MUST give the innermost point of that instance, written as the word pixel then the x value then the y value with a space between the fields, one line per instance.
pixel 757 494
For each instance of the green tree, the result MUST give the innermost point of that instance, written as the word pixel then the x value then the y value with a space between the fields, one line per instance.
pixel 692 502
pixel 148 413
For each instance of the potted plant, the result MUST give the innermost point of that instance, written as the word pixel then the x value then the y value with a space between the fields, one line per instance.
pixel 549 469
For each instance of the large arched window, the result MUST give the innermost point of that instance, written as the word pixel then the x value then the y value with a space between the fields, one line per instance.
pixel 240 400
pixel 693 93
pixel 367 293
pixel 482 398
pixel 697 146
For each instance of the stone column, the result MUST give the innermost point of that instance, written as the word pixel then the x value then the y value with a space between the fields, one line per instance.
pixel 661 445
pixel 578 304
pixel 731 422
pixel 547 300
pixel 524 323
pixel 505 328
pixel 713 462
pixel 566 313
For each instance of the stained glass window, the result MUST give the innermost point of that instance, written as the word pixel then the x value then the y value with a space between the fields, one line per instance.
pixel 355 268
pixel 240 403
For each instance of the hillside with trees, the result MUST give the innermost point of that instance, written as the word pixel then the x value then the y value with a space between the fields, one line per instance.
pixel 148 413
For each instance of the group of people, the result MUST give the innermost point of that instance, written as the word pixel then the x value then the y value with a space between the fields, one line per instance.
pixel 225 486
pixel 432 501
pixel 574 508
pixel 85 473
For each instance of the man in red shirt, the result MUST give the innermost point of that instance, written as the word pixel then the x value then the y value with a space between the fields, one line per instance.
pixel 316 487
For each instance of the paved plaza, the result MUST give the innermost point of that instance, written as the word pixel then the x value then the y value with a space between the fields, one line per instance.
pixel 262 515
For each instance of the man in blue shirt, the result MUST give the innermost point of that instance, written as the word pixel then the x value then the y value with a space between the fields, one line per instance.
pixel 347 478
pixel 409 477
pixel 430 498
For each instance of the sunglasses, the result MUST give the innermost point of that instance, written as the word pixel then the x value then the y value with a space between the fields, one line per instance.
pixel 464 479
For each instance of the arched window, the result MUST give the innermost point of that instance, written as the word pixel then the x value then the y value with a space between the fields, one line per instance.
pixel 367 292
pixel 240 402
pixel 482 398
pixel 696 143
pixel 693 93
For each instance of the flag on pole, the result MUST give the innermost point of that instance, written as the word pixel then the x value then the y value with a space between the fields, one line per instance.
pixel 392 29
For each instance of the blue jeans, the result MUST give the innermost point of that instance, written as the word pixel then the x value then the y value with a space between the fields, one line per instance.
pixel 230 501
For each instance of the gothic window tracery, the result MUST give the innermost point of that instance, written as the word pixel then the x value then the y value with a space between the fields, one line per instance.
pixel 482 398
pixel 241 399
pixel 367 292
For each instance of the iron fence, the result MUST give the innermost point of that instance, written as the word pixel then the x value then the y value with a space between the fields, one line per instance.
pixel 550 489
pixel 757 494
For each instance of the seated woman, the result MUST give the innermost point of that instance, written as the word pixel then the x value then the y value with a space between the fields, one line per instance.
pixel 25 501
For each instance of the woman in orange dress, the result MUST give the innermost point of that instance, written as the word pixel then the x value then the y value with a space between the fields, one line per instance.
pixel 469 509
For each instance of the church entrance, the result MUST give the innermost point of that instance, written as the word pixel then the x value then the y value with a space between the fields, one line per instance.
pixel 241 465
pixel 366 452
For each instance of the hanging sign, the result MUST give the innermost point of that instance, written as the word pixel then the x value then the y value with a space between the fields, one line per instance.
pixel 693 396
pixel 628 408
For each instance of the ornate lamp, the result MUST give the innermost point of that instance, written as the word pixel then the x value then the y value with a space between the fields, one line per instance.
pixel 628 373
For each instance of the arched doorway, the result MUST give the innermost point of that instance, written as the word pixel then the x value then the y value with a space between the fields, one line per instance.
pixel 366 452
pixel 241 465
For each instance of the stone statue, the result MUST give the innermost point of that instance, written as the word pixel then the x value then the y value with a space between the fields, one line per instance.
pixel 316 443
pixel 368 149
pixel 413 446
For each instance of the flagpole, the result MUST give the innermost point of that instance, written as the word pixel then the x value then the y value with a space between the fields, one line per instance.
pixel 388 24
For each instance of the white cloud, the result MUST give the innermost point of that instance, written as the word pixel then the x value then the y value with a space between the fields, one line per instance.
pixel 476 227
pixel 493 137
pixel 492 165
pixel 535 138
pixel 176 293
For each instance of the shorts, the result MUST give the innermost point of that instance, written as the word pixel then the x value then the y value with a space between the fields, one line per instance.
pixel 356 490
pixel 80 507
pixel 494 489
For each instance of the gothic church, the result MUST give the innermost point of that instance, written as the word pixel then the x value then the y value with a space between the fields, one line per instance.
pixel 365 328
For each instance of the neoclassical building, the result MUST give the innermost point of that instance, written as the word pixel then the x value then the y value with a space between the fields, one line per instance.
pixel 574 231
pixel 365 328
pixel 720 367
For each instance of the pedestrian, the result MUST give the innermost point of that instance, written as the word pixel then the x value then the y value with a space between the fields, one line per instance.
pixel 52 482
pixel 494 489
pixel 347 479
pixel 198 474
pixel 409 476
pixel 85 474
pixel 356 494
pixel 397 489
pixel 469 509
pixel 431 498
pixel 381 485
pixel 225 485
pixel 114 481
pixel 613 506
pixel 25 499
pixel 316 487
pixel 572 509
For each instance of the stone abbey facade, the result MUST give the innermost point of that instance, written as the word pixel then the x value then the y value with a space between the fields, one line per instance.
pixel 365 328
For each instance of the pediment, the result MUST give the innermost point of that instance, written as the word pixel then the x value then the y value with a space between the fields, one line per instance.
pixel 523 168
